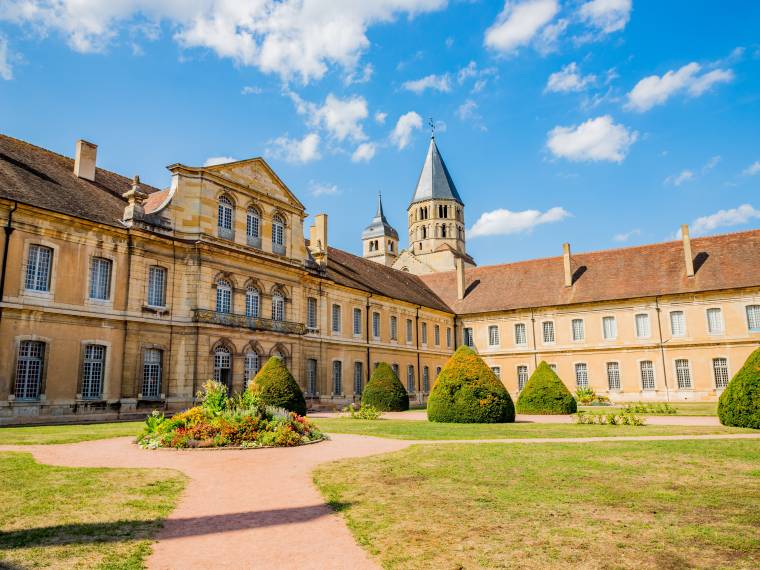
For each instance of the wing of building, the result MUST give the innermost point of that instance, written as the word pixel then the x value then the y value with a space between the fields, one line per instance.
pixel 117 297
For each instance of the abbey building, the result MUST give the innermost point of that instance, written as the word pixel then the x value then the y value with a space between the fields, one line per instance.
pixel 117 297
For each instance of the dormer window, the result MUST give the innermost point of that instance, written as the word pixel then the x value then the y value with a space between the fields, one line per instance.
pixel 224 217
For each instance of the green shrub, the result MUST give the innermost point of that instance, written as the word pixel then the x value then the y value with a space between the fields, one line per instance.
pixel 364 412
pixel 275 385
pixel 739 404
pixel 585 395
pixel 545 394
pixel 384 391
pixel 466 391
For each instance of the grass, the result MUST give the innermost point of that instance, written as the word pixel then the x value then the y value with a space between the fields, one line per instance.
pixel 675 504
pixel 682 409
pixel 32 435
pixel 63 517
pixel 405 429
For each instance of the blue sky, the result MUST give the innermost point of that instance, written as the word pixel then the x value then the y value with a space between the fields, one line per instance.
pixel 604 123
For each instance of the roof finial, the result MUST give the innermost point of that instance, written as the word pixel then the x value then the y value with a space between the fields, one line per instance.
pixel 431 123
pixel 380 213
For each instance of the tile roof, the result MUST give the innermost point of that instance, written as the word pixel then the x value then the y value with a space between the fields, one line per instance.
pixel 33 175
pixel 722 262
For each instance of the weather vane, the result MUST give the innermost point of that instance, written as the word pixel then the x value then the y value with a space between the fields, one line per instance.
pixel 432 126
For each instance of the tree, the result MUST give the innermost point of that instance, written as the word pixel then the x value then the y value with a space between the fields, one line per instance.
pixel 739 404
pixel 276 386
pixel 384 391
pixel 545 394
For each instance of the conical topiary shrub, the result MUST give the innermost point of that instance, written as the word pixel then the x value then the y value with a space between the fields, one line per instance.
pixel 276 386
pixel 545 394
pixel 467 391
pixel 739 404
pixel 384 391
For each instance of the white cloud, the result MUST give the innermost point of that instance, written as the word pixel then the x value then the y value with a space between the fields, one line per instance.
pixel 622 237
pixel 683 176
pixel 435 82
pixel 468 112
pixel 6 70
pixel 481 75
pixel 606 15
pixel 405 126
pixel 318 189
pixel 380 117
pixel 655 90
pixel 596 139
pixel 295 150
pixel 752 169
pixel 364 152
pixel 360 77
pixel 341 118
pixel 723 219
pixel 503 222
pixel 214 160
pixel 290 38
pixel 251 90
pixel 569 78
pixel 518 23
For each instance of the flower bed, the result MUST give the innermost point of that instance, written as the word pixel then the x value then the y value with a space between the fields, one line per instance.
pixel 242 421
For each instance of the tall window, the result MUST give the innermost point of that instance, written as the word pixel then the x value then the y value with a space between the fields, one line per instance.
pixel 151 384
pixel 252 225
pixel 156 286
pixel 376 325
pixel 581 375
pixel 642 326
pixel 252 303
pixel 31 354
pixel 357 322
pixel 609 328
pixel 720 372
pixel 613 375
pixel 224 217
pixel 522 377
pixel 677 323
pixel 278 234
pixel 394 328
pixel 683 374
pixel 437 371
pixel 278 307
pixel 252 363
pixel 496 371
pixel 548 328
pixel 521 336
pixel 223 365
pixel 336 315
pixel 753 318
pixel 223 296
pixel 394 367
pixel 714 321
pixel 425 379
pixel 424 333
pixel 311 313
pixel 448 337
pixel 467 337
pixel 92 371
pixel 437 335
pixel 337 377
pixel 38 268
pixel 410 378
pixel 100 278
pixel 647 374
pixel 579 332
pixel 493 335
pixel 409 336
pixel 311 376
pixel 358 378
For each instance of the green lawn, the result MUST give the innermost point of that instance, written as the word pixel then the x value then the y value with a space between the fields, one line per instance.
pixel 64 517
pixel 684 504
pixel 67 433
pixel 682 409
pixel 405 429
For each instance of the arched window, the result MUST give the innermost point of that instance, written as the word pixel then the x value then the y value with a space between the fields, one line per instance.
pixel 278 307
pixel 224 217
pixel 253 227
pixel 443 231
pixel 223 365
pixel 252 362
pixel 252 302
pixel 223 296
pixel 278 234
pixel 424 232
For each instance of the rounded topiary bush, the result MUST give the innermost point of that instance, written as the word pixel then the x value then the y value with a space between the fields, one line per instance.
pixel 739 404
pixel 384 391
pixel 467 391
pixel 545 394
pixel 276 386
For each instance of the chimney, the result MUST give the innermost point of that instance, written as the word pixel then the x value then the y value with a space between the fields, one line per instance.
pixel 318 239
pixel 460 278
pixel 688 258
pixel 567 261
pixel 86 157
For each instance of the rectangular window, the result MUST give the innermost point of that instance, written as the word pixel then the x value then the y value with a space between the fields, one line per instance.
pixel 357 322
pixel 31 355
pixel 613 376
pixel 311 313
pixel 714 321
pixel 579 332
pixel 336 318
pixel 409 329
pixel 609 326
pixel 548 328
pixel 467 337
pixel 100 278
pixel 642 326
pixel 424 333
pixel 493 335
pixel 720 372
pixel 156 286
pixel 38 268
pixel 395 369
pixel 521 335
pixel 496 371
pixel 337 377
pixel 522 377
pixel 647 374
pixel 151 385
pixel 358 378
pixel 252 368
pixel 683 374
pixel 410 379
pixel 677 323
pixel 311 376
pixel 448 337
pixel 92 371
pixel 437 335
pixel 581 375
pixel 376 325
pixel 425 379
pixel 753 318
pixel 394 328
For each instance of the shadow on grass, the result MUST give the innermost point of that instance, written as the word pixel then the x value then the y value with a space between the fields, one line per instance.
pixel 83 533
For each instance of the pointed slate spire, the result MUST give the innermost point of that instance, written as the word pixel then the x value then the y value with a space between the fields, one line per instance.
pixel 435 182
pixel 379 225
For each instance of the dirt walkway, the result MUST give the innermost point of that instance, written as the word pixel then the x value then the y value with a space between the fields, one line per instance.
pixel 259 508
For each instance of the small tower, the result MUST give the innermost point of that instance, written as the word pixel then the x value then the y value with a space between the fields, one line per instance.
pixel 379 239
